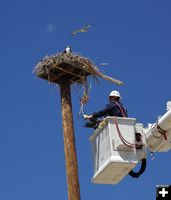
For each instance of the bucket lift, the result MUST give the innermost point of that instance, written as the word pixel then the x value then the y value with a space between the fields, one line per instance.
pixel 118 145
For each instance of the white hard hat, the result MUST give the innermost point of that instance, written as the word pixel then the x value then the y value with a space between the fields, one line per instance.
pixel 114 93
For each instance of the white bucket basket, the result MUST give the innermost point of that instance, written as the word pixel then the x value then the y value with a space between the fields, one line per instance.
pixel 112 158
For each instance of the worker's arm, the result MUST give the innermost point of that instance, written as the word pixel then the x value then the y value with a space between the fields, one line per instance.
pixel 101 113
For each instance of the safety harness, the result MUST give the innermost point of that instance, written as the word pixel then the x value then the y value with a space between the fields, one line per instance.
pixel 121 109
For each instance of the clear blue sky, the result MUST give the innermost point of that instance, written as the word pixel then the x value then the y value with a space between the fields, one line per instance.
pixel 134 37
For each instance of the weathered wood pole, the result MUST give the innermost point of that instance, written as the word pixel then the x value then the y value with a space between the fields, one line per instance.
pixel 69 142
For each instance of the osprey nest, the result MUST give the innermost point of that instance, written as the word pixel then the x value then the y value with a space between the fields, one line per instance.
pixel 68 67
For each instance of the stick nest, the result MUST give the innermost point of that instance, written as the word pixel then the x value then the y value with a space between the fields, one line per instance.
pixel 68 66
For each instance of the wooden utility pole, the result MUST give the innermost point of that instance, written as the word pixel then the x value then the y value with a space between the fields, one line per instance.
pixel 69 143
pixel 65 69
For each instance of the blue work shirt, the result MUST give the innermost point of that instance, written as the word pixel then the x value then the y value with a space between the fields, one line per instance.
pixel 111 109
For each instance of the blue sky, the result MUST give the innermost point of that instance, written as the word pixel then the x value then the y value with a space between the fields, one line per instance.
pixel 132 36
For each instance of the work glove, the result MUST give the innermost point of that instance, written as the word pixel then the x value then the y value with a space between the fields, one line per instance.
pixel 87 116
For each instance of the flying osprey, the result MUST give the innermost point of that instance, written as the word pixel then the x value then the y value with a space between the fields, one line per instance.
pixel 82 30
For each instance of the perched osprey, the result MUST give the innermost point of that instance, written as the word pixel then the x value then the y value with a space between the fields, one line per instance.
pixel 82 30
pixel 67 50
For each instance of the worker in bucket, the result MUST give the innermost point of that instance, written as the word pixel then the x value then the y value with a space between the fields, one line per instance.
pixel 113 108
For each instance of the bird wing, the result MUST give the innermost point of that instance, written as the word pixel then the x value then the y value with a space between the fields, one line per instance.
pixel 75 32
pixel 83 29
pixel 88 26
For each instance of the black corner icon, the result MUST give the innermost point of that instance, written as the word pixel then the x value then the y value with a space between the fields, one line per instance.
pixel 163 192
